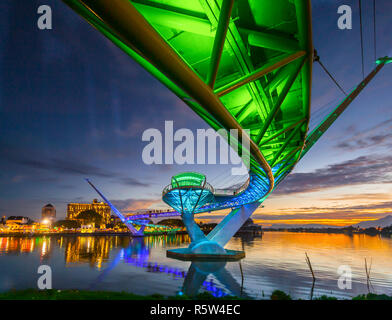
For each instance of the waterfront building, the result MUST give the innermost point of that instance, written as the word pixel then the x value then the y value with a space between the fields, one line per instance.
pixel 48 212
pixel 73 209
pixel 19 220
pixel 114 219
pixel 18 223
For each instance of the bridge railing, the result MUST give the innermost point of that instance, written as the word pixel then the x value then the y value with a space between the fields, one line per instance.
pixel 170 187
pixel 232 192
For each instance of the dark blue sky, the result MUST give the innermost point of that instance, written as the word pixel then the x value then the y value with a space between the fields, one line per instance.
pixel 72 105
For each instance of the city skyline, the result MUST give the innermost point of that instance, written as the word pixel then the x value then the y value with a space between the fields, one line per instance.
pixel 78 107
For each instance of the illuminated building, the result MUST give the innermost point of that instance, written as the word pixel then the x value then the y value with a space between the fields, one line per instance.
pixel 19 220
pixel 48 212
pixel 73 209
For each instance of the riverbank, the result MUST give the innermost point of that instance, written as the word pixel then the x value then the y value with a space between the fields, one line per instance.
pixel 34 294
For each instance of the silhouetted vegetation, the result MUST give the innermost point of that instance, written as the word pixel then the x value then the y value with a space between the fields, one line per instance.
pixel 387 231
pixel 280 295
pixel 172 223
pixel 67 224
pixel 207 227
pixel 372 296
pixel 324 297
pixel 89 216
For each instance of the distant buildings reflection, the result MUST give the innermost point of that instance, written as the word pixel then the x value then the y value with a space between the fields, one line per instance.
pixel 86 249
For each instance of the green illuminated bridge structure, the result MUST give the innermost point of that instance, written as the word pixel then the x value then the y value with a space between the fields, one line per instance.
pixel 243 64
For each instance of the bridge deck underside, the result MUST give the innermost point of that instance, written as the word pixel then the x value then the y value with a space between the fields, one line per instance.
pixel 261 74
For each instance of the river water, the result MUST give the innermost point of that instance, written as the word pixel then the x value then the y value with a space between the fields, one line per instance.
pixel 274 261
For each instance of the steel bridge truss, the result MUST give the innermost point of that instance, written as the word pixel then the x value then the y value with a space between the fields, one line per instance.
pixel 233 62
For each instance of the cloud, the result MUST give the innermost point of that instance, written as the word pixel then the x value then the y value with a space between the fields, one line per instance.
pixel 133 182
pixel 361 196
pixel 18 178
pixel 361 170
pixel 349 212
pixel 370 141
pixel 66 167
pixel 378 135
pixel 62 166
pixel 131 205
pixel 344 214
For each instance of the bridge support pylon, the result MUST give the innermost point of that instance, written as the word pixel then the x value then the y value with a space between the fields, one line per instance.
pixel 187 193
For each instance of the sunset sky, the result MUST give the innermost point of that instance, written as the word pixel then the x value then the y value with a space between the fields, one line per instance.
pixel 72 105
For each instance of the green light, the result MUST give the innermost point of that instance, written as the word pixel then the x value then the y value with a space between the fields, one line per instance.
pixel 384 60
pixel 187 179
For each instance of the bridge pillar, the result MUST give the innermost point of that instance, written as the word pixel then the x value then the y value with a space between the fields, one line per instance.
pixel 228 227
pixel 188 192
pixel 211 247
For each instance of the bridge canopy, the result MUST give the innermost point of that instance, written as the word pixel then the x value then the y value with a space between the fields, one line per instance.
pixel 187 179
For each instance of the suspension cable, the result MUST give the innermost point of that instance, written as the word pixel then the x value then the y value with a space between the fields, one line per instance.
pixel 374 30
pixel 317 58
pixel 360 25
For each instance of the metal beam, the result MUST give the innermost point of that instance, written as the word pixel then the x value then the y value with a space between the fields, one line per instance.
pixel 270 41
pixel 303 9
pixel 219 41
pixel 175 20
pixel 242 114
pixel 280 100
pixel 280 132
pixel 239 48
pixel 115 210
pixel 193 24
pixel 284 146
pixel 277 79
pixel 290 157
pixel 258 73
pixel 258 125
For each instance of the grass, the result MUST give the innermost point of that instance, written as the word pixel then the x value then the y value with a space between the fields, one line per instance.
pixel 34 294
pixel 372 296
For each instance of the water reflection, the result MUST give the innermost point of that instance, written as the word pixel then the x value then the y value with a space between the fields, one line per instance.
pixel 137 254
pixel 91 250
pixel 276 261
pixel 198 272
pixel 23 245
